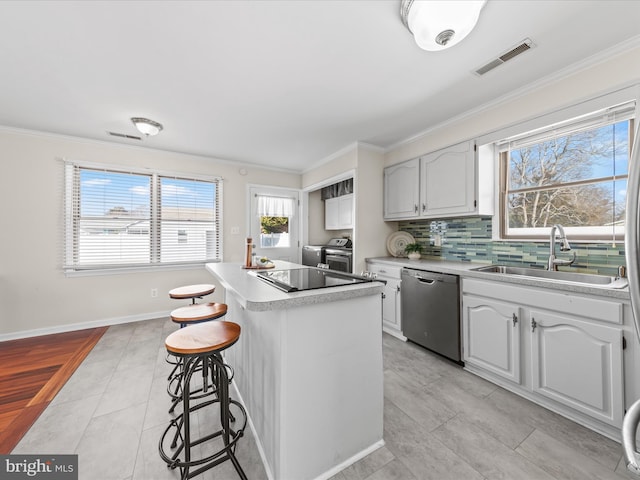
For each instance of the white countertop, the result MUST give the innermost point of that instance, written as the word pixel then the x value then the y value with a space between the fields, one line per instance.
pixel 256 295
pixel 466 270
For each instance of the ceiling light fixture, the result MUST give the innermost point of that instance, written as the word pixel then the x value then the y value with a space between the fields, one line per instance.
pixel 440 24
pixel 146 126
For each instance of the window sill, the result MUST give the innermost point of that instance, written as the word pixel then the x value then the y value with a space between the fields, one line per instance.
pixel 126 271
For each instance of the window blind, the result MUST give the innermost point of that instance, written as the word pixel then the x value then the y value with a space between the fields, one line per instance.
pixel 607 116
pixel 118 219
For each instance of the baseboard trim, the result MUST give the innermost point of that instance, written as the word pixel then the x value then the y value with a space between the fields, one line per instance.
pixel 263 455
pixel 324 476
pixel 82 325
pixel 350 461
pixel 394 333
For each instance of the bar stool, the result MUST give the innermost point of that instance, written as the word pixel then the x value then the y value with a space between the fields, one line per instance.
pixel 200 347
pixel 197 313
pixel 190 315
pixel 192 292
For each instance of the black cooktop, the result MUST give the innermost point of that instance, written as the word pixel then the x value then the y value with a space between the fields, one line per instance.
pixel 308 278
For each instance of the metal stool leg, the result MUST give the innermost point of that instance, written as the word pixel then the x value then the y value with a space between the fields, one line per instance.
pixel 182 441
pixel 225 416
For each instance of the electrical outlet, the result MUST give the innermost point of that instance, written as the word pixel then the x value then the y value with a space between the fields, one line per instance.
pixel 235 230
pixel 154 292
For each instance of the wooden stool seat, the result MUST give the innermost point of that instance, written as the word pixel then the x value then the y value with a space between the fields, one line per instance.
pixel 199 312
pixel 199 348
pixel 192 291
pixel 203 338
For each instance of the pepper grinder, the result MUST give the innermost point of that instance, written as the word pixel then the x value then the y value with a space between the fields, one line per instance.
pixel 248 253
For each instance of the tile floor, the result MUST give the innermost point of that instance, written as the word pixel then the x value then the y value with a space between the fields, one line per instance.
pixel 440 422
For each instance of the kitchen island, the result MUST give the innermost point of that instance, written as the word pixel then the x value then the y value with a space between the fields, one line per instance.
pixel 308 368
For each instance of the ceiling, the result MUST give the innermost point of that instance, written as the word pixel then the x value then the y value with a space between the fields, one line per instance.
pixel 283 84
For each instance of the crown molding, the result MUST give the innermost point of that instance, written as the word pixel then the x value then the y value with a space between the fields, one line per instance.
pixel 589 62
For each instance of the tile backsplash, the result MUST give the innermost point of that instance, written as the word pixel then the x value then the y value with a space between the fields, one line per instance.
pixel 469 240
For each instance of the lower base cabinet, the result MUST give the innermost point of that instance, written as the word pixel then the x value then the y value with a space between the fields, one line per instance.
pixel 567 356
pixel 391 315
pixel 491 338
pixel 579 364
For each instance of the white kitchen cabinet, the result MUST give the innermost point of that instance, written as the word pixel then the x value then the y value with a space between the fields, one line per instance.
pixel 338 212
pixel 391 313
pixel 454 181
pixel 447 181
pixel 562 350
pixel 578 363
pixel 491 336
pixel 402 190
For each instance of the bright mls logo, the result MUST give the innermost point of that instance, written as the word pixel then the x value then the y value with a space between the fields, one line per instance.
pixel 50 467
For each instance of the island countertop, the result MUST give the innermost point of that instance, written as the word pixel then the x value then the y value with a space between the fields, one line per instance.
pixel 256 295
pixel 308 369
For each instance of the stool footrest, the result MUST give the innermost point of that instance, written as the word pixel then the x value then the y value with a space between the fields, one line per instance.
pixel 227 452
pixel 198 351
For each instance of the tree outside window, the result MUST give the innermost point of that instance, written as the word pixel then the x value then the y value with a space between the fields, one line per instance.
pixel 577 179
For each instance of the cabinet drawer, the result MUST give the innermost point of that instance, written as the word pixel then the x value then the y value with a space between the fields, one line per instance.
pixel 385 270
pixel 587 307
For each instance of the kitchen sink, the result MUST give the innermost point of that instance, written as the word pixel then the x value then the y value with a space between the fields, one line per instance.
pixel 563 277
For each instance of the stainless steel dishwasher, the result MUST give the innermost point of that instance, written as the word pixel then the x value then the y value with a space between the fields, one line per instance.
pixel 431 311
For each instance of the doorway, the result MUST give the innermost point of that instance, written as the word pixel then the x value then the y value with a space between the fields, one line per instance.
pixel 275 222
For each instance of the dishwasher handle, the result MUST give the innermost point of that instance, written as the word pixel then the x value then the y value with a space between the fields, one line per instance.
pixel 428 281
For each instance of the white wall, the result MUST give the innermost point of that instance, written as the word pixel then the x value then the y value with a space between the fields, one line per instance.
pixel 35 295
pixel 370 230
pixel 338 163
pixel 620 70
pixel 317 235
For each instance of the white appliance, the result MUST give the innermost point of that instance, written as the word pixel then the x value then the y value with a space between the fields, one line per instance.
pixel 632 245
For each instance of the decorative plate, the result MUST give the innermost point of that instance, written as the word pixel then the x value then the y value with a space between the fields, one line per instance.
pixel 397 241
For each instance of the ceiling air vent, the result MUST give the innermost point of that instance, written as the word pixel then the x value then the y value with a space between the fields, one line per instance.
pixel 124 135
pixel 525 45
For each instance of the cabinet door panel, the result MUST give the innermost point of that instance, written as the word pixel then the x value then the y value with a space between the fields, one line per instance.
pixel 345 211
pixel 331 214
pixel 391 314
pixel 491 338
pixel 448 181
pixel 401 190
pixel 579 364
pixel 391 303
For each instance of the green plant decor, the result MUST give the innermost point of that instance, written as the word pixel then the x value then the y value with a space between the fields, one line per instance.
pixel 413 248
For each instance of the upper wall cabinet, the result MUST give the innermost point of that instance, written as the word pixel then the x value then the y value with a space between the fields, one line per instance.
pixel 447 181
pixel 338 212
pixel 402 190
pixel 454 181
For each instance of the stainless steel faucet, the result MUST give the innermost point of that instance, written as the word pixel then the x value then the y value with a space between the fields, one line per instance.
pixel 564 247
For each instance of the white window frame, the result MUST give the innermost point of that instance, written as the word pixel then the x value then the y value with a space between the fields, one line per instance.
pixel 493 139
pixel 598 119
pixel 71 211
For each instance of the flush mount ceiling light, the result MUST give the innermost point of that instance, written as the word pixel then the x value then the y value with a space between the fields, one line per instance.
pixel 146 126
pixel 440 24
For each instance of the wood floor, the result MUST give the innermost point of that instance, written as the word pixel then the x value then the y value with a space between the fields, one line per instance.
pixel 32 371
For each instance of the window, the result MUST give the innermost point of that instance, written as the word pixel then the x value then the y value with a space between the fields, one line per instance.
pixel 275 214
pixel 116 218
pixel 573 174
